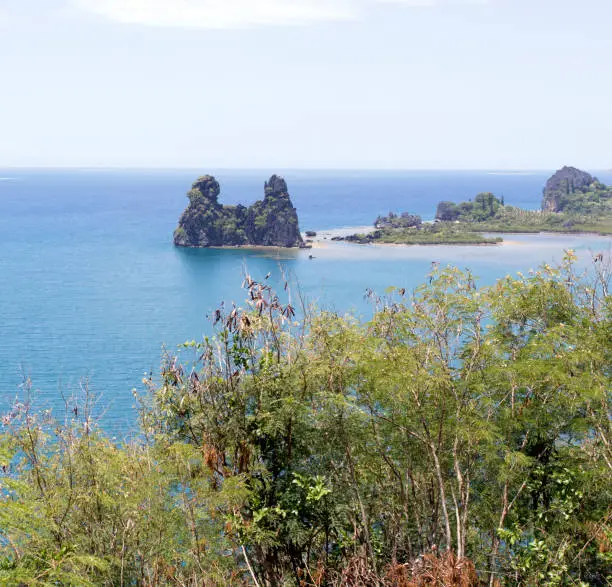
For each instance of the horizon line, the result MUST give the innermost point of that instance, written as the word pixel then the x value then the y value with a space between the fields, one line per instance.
pixel 509 170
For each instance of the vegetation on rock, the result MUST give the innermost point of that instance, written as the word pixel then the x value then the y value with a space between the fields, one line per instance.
pixel 403 220
pixel 576 192
pixel 574 201
pixel 460 437
pixel 442 233
pixel 272 221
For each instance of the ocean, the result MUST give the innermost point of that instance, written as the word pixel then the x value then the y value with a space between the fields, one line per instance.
pixel 92 288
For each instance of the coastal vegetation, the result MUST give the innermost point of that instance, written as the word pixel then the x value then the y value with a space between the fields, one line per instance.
pixel 513 219
pixel 574 191
pixel 409 229
pixel 484 207
pixel 461 436
pixel 573 201
pixel 403 220
pixel 443 233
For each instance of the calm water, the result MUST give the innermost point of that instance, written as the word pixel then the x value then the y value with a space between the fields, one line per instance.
pixel 91 285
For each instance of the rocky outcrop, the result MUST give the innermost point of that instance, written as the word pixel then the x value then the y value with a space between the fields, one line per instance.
pixel 271 222
pixel 563 184
pixel 403 220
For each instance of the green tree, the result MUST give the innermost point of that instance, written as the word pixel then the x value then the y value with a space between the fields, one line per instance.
pixel 460 437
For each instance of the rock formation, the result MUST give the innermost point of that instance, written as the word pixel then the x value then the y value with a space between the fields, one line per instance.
pixel 403 220
pixel 562 184
pixel 271 222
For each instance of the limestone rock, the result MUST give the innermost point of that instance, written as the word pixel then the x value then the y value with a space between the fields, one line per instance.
pixel 276 185
pixel 272 221
pixel 562 184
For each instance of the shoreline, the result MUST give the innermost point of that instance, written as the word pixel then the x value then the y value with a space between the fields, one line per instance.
pixel 431 244
pixel 559 232
pixel 243 248
pixel 259 247
pixel 325 238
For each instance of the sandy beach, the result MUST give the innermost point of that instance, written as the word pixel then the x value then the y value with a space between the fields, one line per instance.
pixel 324 238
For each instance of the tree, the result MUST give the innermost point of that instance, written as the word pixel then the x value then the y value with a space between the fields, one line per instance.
pixel 447 212
pixel 462 433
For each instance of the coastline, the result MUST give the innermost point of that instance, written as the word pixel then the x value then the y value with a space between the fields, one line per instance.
pixel 325 238
pixel 560 232
pixel 254 247
pixel 517 241
pixel 329 236
pixel 432 244
pixel 242 248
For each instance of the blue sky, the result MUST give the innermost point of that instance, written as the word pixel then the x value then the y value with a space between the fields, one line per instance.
pixel 399 84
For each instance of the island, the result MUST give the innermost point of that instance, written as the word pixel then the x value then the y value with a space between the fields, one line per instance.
pixel 573 201
pixel 271 222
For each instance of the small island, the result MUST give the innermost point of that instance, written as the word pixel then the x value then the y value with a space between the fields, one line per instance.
pixel 573 201
pixel 271 222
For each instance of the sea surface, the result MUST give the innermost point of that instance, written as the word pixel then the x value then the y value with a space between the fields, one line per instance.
pixel 92 288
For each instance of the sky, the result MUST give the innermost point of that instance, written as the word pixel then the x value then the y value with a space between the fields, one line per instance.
pixel 319 84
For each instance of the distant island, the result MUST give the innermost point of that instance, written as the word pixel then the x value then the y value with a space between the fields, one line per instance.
pixel 271 222
pixel 573 201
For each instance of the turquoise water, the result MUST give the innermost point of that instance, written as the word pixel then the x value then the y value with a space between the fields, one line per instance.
pixel 92 287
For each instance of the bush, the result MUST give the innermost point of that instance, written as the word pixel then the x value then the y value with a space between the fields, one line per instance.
pixel 461 428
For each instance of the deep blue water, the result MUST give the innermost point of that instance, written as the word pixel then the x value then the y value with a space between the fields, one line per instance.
pixel 92 287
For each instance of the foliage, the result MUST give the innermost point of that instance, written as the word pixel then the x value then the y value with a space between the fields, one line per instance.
pixel 77 509
pixel 594 200
pixel 403 220
pixel 575 192
pixel 460 437
pixel 484 207
pixel 441 233
pixel 577 209
pixel 512 219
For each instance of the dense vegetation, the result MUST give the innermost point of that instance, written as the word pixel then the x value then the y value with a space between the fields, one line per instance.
pixel 409 229
pixel 575 209
pixel 573 191
pixel 513 219
pixel 460 437
pixel 403 220
pixel 484 207
pixel 441 233
pixel 573 201
pixel 596 199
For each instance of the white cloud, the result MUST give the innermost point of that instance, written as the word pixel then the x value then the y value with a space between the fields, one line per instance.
pixel 223 14
pixel 220 14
